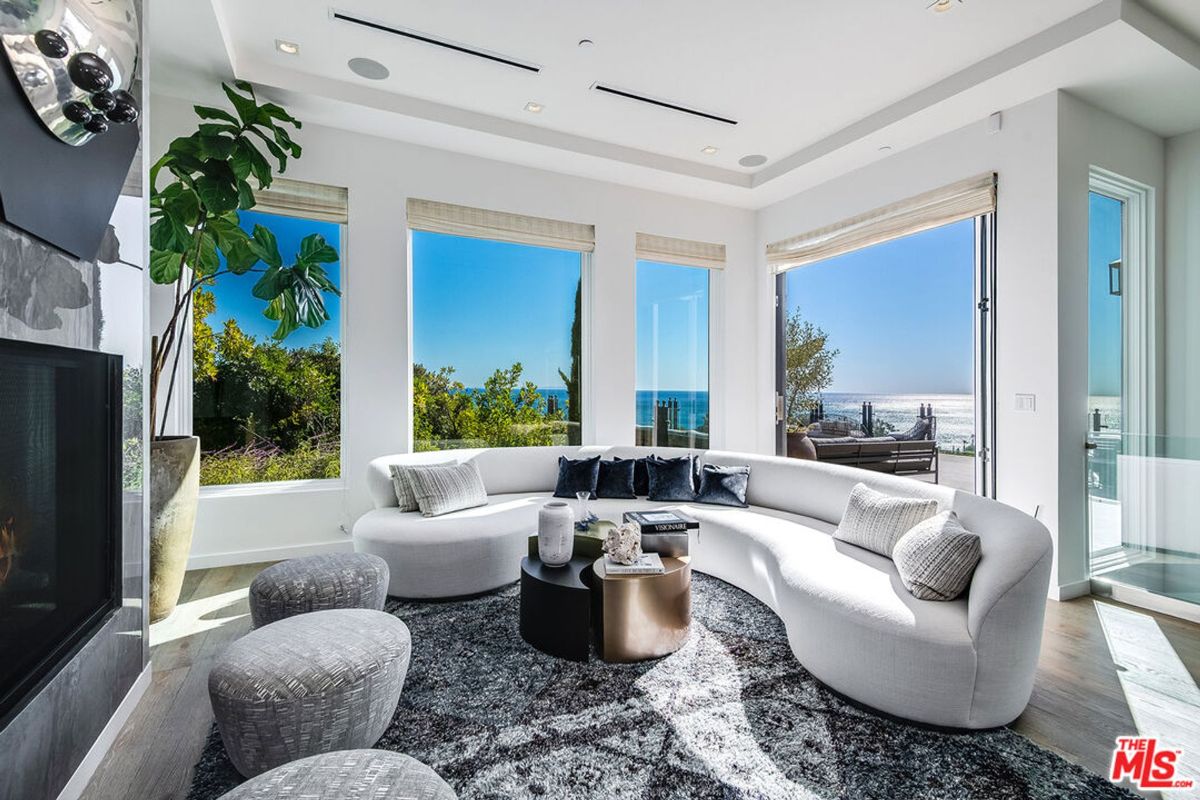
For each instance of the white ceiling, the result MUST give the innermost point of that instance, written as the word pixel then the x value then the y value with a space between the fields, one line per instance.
pixel 813 85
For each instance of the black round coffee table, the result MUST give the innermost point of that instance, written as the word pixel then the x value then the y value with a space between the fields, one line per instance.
pixel 556 607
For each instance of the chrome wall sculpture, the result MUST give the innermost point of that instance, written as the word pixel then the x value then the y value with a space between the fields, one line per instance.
pixel 75 60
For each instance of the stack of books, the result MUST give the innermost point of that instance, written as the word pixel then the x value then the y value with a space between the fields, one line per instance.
pixel 647 564
pixel 664 532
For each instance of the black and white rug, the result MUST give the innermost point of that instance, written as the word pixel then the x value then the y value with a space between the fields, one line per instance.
pixel 731 715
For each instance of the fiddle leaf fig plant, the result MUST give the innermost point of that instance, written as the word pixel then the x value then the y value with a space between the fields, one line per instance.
pixel 196 235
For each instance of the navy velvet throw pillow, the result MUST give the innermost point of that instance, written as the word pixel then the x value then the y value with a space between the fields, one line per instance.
pixel 616 479
pixel 671 479
pixel 723 486
pixel 641 476
pixel 577 476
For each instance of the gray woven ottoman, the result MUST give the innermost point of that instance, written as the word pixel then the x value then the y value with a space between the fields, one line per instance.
pixel 347 775
pixel 319 682
pixel 318 583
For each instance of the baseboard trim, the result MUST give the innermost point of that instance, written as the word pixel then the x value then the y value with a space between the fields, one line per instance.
pixel 1069 591
pixel 87 768
pixel 257 555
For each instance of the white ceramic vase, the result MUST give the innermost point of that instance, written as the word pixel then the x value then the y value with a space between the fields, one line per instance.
pixel 556 534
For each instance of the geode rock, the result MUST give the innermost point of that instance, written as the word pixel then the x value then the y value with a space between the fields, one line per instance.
pixel 623 544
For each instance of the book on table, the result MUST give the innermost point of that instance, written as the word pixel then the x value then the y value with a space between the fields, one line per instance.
pixel 647 564
pixel 661 521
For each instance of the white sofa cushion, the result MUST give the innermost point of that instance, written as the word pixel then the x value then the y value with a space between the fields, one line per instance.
pixel 936 558
pixel 876 521
pixel 441 490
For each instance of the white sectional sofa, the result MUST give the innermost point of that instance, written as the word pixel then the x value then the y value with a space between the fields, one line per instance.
pixel 850 621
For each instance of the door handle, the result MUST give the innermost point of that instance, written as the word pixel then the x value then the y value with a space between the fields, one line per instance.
pixel 1089 445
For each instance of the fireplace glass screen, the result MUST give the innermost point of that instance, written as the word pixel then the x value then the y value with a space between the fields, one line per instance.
pixel 59 508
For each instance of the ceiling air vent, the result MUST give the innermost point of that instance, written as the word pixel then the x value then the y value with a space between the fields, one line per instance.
pixel 600 87
pixel 436 41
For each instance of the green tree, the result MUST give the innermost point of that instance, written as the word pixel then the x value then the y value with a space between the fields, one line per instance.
pixel 808 367
pixel 573 381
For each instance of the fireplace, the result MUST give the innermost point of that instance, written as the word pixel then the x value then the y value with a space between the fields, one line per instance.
pixel 60 522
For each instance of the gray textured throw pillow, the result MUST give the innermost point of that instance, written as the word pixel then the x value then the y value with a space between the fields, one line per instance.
pixel 440 490
pixel 876 521
pixel 937 558
pixel 404 493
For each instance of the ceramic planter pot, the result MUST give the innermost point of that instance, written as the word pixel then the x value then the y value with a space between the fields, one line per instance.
pixel 556 534
pixel 174 493
pixel 800 446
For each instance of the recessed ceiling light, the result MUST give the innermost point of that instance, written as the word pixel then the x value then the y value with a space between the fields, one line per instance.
pixel 941 6
pixel 709 150
pixel 368 68
pixel 883 148
pixel 290 48
pixel 586 43
pixel 753 160
pixel 534 108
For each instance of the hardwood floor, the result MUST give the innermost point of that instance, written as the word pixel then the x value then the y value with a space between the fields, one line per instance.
pixel 1102 666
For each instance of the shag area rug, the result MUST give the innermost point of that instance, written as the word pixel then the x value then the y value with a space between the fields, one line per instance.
pixel 730 715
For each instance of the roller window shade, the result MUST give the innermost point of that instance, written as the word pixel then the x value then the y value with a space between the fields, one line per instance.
pixel 428 215
pixel 302 199
pixel 680 251
pixel 958 201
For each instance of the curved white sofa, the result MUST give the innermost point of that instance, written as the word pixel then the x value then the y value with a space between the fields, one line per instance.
pixel 968 663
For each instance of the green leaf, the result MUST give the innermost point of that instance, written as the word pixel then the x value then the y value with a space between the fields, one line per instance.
pixel 272 283
pixel 240 161
pixel 239 257
pixel 246 198
pixel 169 234
pixel 285 312
pixel 246 107
pixel 315 250
pixel 165 266
pixel 265 247
pixel 273 148
pixel 258 164
pixel 277 112
pixel 207 261
pixel 208 112
pixel 218 196
pixel 182 205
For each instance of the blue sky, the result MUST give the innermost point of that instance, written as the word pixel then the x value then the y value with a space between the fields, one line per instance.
pixel 233 292
pixel 672 355
pixel 901 313
pixel 480 305
pixel 1104 309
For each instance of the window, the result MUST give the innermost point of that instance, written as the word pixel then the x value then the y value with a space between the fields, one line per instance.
pixel 672 355
pixel 266 410
pixel 497 342
pixel 884 343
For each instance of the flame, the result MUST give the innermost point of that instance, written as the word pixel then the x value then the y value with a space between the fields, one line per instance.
pixel 8 549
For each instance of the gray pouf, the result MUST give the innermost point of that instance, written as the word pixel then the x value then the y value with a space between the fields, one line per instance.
pixel 319 682
pixel 318 583
pixel 347 775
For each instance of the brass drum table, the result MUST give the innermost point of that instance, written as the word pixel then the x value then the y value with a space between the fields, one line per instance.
pixel 636 617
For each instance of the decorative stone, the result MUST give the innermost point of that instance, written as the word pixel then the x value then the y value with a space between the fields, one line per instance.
pixel 123 113
pixel 77 112
pixel 90 72
pixel 104 101
pixel 51 44
pixel 96 125
pixel 623 544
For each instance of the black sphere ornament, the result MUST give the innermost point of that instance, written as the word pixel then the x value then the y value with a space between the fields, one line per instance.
pixel 123 113
pixel 104 101
pixel 90 72
pixel 77 112
pixel 51 44
pixel 96 125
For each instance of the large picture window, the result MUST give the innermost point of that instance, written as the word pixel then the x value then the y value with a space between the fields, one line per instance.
pixel 672 355
pixel 497 343
pixel 266 410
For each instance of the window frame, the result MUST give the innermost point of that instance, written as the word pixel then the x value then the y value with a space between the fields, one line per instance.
pixel 281 487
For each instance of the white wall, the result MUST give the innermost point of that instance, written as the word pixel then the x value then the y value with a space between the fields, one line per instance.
pixel 1182 285
pixel 380 175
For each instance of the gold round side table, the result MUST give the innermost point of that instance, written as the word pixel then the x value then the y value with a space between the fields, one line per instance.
pixel 637 617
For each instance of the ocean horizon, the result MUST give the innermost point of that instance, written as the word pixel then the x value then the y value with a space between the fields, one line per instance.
pixel 955 412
